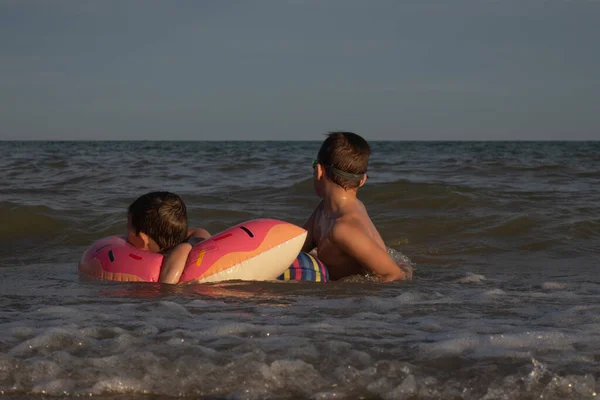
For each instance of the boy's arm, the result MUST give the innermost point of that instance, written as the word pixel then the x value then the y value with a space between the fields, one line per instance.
pixel 357 244
pixel 198 233
pixel 174 263
pixel 308 225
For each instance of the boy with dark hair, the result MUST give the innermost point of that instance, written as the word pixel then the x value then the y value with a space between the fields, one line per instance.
pixel 157 222
pixel 340 228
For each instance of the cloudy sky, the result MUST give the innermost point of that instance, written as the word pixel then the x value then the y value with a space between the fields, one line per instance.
pixel 294 69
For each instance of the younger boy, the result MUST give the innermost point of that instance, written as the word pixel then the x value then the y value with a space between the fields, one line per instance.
pixel 157 222
pixel 340 228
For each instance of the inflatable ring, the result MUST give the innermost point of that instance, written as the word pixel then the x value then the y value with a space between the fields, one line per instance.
pixel 261 249
pixel 306 267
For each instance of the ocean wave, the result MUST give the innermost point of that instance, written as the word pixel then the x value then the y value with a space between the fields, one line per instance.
pixel 28 221
pixel 406 194
pixel 510 226
pixel 413 344
pixel 585 229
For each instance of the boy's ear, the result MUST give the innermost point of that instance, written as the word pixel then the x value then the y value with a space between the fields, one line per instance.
pixel 363 180
pixel 147 242
pixel 320 172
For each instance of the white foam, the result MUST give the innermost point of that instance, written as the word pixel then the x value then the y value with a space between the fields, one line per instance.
pixel 232 328
pixel 379 304
pixel 472 278
pixel 398 257
pixel 495 292
pixel 252 374
pixel 500 344
pixel 213 304
pixel 328 395
pixel 554 285
pixel 573 385
pixel 342 343
pixel 51 340
pixel 452 346
pixel 406 389
pixel 537 340
pixel 56 387
pixel 296 375
pixel 118 385
pixel 56 310
pixel 379 386
pixel 306 352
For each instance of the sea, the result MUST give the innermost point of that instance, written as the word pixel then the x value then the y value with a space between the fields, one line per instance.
pixel 504 239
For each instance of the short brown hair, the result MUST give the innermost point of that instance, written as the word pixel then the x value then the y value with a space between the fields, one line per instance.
pixel 162 216
pixel 345 151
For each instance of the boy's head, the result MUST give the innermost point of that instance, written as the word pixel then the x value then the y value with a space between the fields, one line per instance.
pixel 157 221
pixel 345 158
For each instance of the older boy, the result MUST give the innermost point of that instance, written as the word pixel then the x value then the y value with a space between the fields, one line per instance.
pixel 340 228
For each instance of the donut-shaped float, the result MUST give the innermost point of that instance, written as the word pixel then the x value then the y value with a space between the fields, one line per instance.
pixel 260 249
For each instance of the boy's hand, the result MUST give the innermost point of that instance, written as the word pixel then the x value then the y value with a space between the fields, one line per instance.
pixel 353 240
pixel 198 233
pixel 407 269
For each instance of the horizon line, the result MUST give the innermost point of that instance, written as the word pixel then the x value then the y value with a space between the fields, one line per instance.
pixel 295 140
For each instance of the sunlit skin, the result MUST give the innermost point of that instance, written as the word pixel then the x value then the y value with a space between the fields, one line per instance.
pixel 343 234
pixel 140 240
pixel 174 261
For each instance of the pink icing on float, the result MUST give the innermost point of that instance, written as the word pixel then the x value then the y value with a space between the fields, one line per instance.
pixel 260 249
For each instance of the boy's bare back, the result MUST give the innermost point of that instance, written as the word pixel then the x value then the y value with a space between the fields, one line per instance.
pixel 327 229
pixel 340 228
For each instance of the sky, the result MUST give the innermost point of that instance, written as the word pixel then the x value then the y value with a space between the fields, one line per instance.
pixel 296 69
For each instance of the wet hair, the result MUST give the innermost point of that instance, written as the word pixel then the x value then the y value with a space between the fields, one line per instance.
pixel 162 216
pixel 344 152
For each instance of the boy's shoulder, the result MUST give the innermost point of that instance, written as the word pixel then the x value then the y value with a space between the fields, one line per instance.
pixel 348 228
